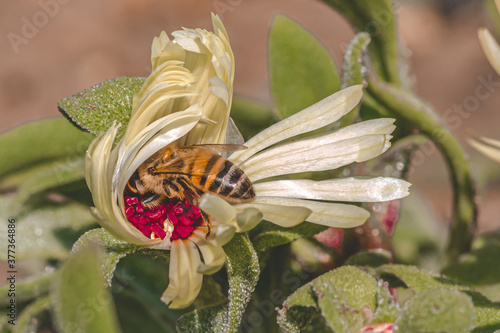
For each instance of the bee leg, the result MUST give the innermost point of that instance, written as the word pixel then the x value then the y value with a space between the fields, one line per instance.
pixel 208 222
pixel 192 198
pixel 150 198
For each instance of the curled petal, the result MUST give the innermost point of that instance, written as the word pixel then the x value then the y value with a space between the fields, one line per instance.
pixel 222 233
pixel 323 213
pixel 213 255
pixel 309 157
pixel 184 280
pixel 156 98
pixel 316 116
pixel 248 219
pixel 196 67
pixel 218 208
pixel 346 189
pixel 99 163
pixel 226 215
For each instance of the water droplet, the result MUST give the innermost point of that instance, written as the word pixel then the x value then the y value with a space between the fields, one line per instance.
pixel 377 207
pixel 38 231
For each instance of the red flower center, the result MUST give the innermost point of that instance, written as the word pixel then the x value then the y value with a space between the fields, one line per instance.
pixel 184 217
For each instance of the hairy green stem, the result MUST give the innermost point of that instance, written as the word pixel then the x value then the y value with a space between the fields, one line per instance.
pixel 27 289
pixel 243 272
pixel 25 321
pixel 419 115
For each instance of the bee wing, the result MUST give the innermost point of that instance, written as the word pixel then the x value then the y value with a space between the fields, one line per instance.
pixel 192 163
pixel 219 148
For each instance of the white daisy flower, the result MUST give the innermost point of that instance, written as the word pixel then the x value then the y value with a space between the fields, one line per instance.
pixel 186 101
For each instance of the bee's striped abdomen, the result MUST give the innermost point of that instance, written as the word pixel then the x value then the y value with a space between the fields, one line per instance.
pixel 226 180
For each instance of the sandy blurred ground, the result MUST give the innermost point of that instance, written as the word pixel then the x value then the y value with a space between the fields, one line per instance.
pixel 78 43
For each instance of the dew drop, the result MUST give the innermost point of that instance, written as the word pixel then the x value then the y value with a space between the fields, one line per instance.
pixel 377 207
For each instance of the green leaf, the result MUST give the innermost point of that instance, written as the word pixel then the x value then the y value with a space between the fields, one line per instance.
pixel 202 320
pixel 138 314
pixel 138 283
pixel 488 313
pixel 480 267
pixel 419 280
pixel 28 288
pixel 438 310
pixel 301 69
pixel 270 235
pixel 50 178
pixel 352 287
pixel 251 116
pixel 243 271
pixel 96 108
pixel 377 18
pixel 332 304
pixel 27 319
pixel 387 306
pixel 45 233
pixel 370 259
pixel 80 299
pixel 113 249
pixel 40 141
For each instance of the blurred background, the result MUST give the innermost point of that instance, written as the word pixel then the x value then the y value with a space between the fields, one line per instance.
pixel 55 48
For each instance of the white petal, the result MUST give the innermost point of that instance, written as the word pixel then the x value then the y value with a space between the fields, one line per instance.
pixel 346 189
pixel 157 47
pixel 369 127
pixel 248 219
pixel 316 116
pixel 323 213
pixel 240 220
pixel 308 158
pixel 490 48
pixel 218 208
pixel 213 255
pixel 99 163
pixel 219 89
pixel 184 280
pixel 222 233
pixel 188 39
pixel 282 215
pixel 486 146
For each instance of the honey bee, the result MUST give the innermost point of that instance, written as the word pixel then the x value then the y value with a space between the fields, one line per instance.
pixel 186 172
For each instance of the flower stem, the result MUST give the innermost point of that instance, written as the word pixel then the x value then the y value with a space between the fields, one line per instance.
pixel 25 321
pixel 412 110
